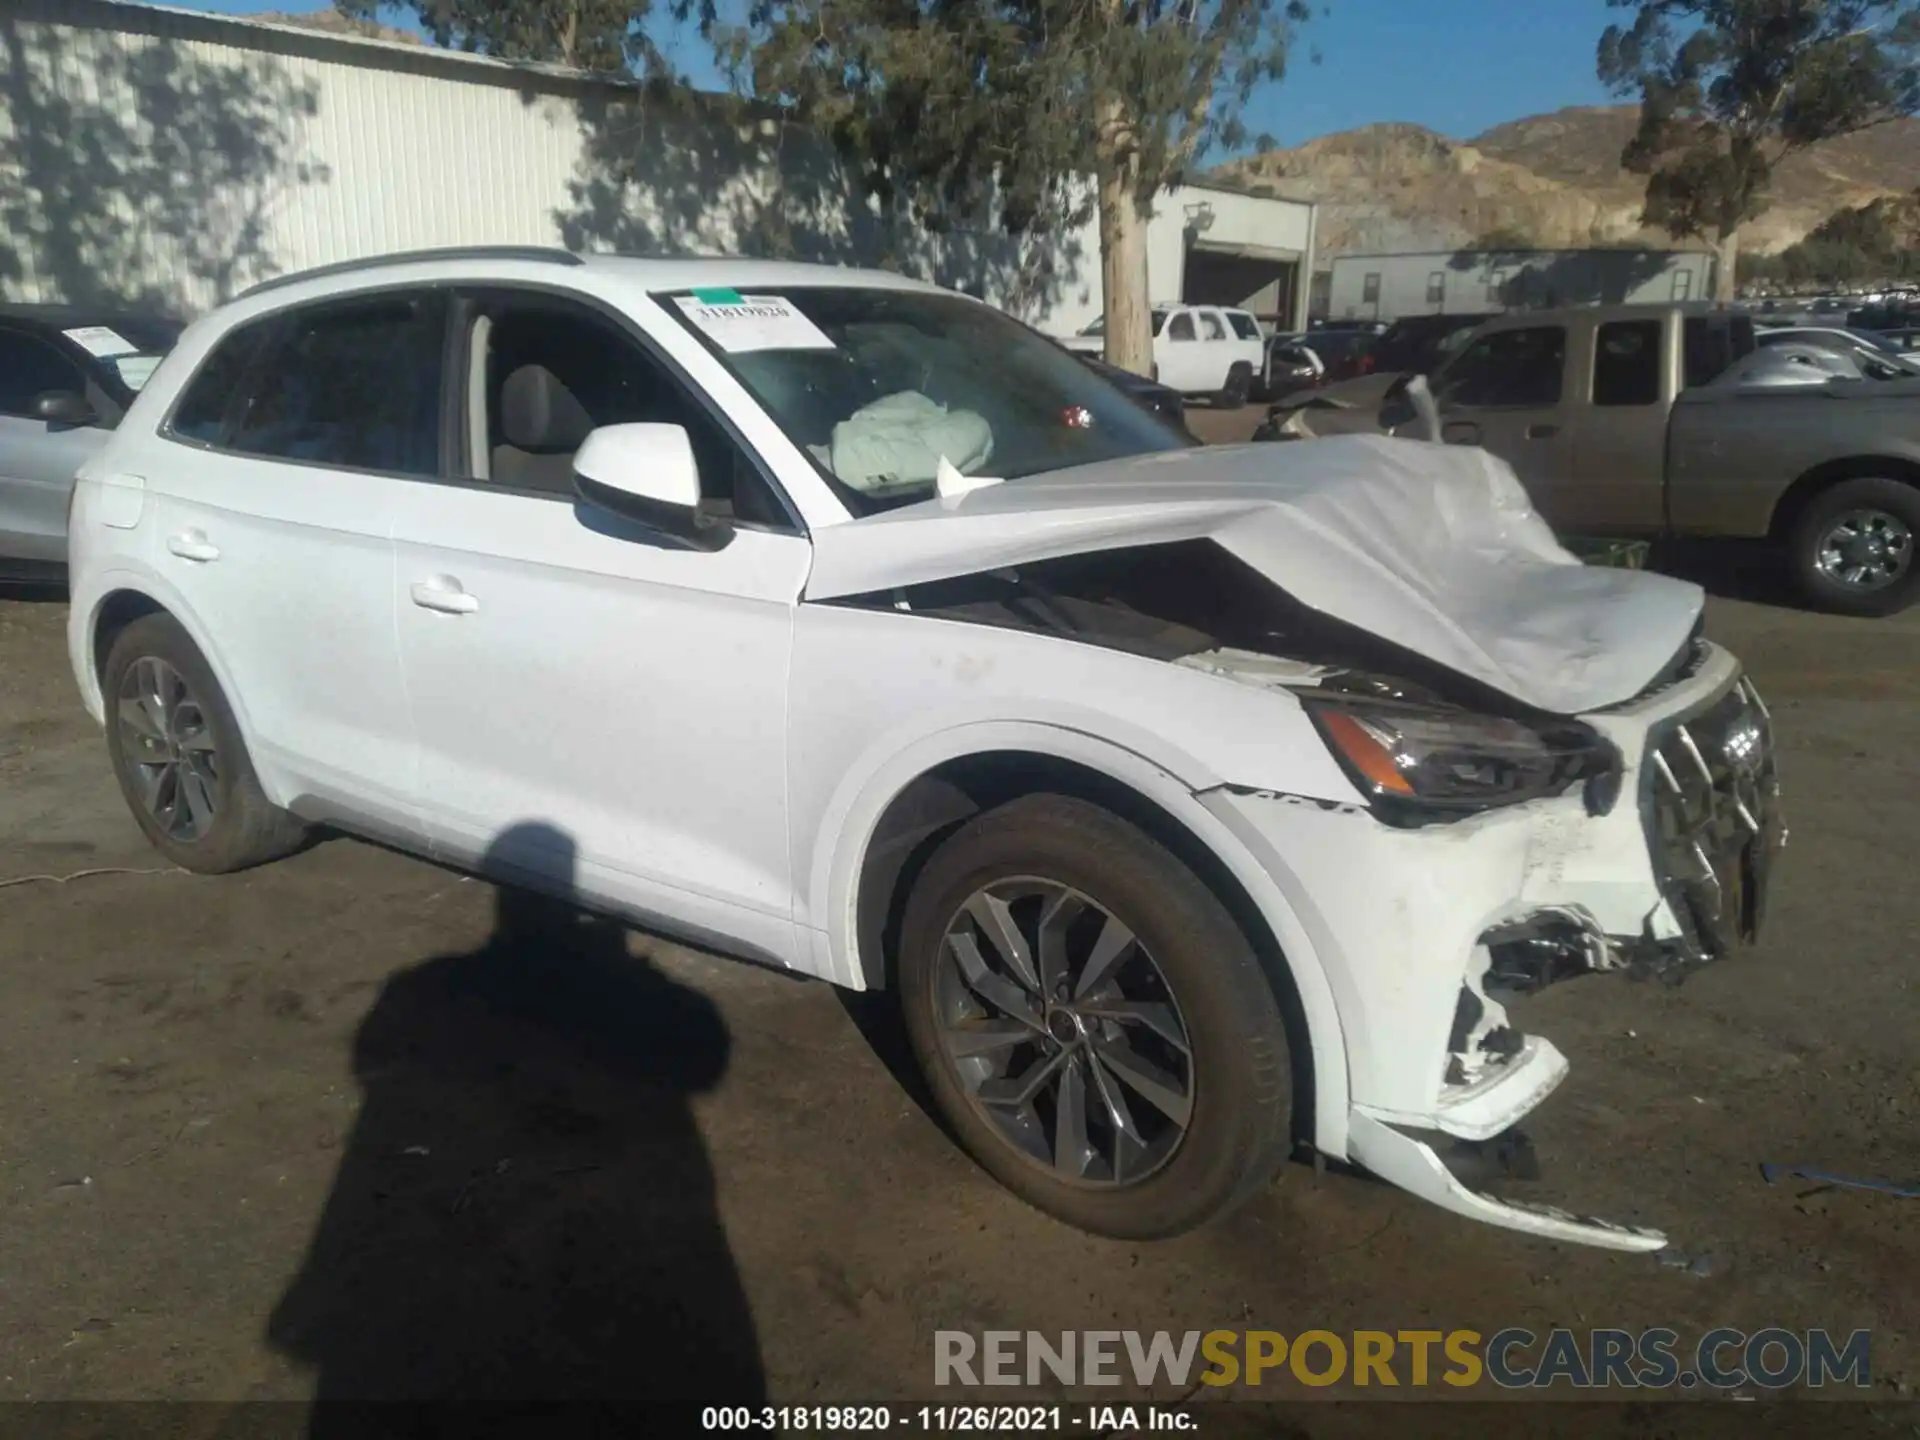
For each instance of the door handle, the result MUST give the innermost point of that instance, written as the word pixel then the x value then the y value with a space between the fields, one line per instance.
pixel 1542 432
pixel 193 545
pixel 443 593
pixel 1460 432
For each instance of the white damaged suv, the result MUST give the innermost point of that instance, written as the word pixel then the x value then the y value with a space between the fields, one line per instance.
pixel 1198 803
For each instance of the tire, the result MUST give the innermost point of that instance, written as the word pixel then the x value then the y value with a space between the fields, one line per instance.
pixel 1857 519
pixel 189 781
pixel 1239 385
pixel 1189 958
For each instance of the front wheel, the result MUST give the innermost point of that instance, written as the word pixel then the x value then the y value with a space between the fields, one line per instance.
pixel 1091 1021
pixel 1852 548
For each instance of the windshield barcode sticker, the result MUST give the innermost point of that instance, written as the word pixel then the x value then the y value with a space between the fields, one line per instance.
pixel 101 341
pixel 739 324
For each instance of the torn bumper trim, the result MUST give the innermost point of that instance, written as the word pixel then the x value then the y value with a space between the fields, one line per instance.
pixel 1412 1165
pixel 1483 1109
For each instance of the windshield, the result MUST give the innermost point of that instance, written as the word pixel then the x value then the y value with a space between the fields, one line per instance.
pixel 878 386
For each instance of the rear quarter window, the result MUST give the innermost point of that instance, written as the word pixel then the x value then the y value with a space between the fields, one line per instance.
pixel 1711 343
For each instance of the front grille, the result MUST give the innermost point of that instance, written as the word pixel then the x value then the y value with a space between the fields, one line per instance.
pixel 1713 815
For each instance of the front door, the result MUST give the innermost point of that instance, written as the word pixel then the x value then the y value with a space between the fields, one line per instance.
pixel 308 426
pixel 1504 393
pixel 601 710
pixel 37 459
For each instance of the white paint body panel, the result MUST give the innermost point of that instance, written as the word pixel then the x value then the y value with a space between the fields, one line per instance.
pixel 297 551
pixel 715 742
pixel 630 693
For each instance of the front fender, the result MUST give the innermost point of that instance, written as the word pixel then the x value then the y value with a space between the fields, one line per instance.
pixel 846 828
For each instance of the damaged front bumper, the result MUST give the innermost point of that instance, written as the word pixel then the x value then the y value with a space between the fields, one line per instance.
pixel 1421 931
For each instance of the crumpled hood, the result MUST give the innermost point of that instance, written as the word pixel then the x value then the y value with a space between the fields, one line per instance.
pixel 1434 548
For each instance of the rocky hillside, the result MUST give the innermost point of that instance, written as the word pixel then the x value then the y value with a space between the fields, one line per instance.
pixel 1554 178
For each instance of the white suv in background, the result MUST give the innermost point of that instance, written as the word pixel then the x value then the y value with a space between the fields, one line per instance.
pixel 1203 351
pixel 830 619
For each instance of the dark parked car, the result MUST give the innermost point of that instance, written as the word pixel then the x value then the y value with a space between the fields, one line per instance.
pixel 66 377
pixel 1344 353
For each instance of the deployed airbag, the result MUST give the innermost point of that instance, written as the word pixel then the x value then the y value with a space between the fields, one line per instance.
pixel 899 441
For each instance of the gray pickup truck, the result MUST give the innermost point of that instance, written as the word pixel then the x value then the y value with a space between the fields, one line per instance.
pixel 1639 420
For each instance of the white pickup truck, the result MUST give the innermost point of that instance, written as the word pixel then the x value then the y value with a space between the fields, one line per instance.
pixel 1199 350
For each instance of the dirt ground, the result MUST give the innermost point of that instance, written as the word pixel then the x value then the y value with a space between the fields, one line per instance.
pixel 310 1129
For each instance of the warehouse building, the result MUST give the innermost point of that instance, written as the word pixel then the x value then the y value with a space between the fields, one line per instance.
pixel 1465 282
pixel 166 157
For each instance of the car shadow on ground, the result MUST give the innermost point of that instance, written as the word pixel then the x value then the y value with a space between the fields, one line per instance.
pixel 1730 569
pixel 525 1210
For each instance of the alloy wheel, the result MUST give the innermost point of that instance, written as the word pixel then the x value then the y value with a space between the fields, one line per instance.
pixel 1064 1032
pixel 1865 549
pixel 169 749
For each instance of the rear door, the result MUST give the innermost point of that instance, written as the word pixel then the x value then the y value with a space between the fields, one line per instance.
pixel 277 536
pixel 1181 355
pixel 37 459
pixel 1505 393
pixel 1218 346
pixel 1620 436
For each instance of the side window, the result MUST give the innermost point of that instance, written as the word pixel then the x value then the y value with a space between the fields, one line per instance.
pixel 1244 325
pixel 29 367
pixel 1516 368
pixel 551 373
pixel 1210 326
pixel 212 398
pixel 353 383
pixel 1181 326
pixel 1626 363
pixel 1710 343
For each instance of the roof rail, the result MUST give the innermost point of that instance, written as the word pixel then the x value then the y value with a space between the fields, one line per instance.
pixel 545 253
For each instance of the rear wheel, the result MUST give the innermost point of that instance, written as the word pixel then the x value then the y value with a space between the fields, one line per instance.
pixel 179 758
pixel 1852 548
pixel 1092 1023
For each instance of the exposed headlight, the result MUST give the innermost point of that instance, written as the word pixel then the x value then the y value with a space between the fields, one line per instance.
pixel 1419 765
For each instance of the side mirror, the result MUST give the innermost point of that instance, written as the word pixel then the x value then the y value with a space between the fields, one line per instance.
pixel 647 473
pixel 63 407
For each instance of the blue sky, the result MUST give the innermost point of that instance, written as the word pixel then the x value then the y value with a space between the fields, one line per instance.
pixel 1457 68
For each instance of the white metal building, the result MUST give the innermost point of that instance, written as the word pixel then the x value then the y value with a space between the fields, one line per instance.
pixel 1461 282
pixel 169 157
